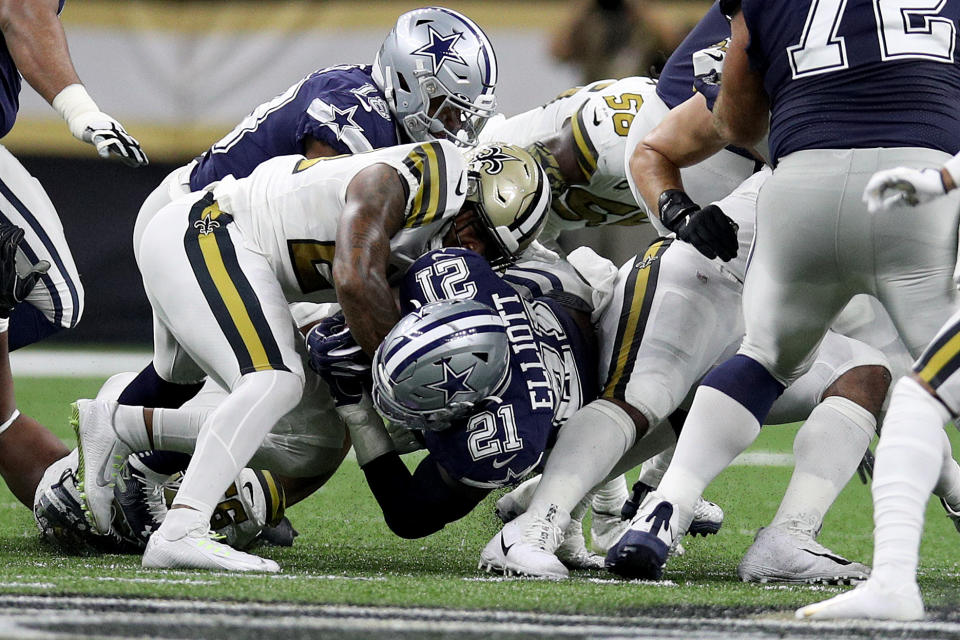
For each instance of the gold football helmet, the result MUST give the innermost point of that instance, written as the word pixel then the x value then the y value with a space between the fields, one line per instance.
pixel 511 195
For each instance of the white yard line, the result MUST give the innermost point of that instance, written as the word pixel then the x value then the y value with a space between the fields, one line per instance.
pixel 47 363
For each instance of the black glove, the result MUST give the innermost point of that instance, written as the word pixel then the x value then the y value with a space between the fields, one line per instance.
pixel 708 229
pixel 339 360
pixel 13 287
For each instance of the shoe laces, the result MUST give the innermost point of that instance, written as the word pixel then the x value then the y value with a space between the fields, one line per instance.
pixel 542 533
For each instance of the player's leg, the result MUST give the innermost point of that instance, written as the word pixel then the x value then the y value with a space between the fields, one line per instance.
pixel 148 388
pixel 654 345
pixel 57 300
pixel 27 448
pixel 840 399
pixel 224 306
pixel 791 294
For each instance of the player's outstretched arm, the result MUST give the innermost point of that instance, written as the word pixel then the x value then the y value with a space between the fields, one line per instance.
pixel 374 212
pixel 38 45
pixel 906 186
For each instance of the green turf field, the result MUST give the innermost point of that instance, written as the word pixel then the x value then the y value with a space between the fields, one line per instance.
pixel 345 554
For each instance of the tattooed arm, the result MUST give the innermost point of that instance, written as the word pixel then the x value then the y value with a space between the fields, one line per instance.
pixel 373 213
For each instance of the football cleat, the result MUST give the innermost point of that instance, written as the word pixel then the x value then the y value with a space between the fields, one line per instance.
pixel 102 454
pixel 573 552
pixel 199 549
pixel 526 546
pixel 779 554
pixel 512 504
pixel 606 529
pixel 644 548
pixel 707 516
pixel 952 514
pixel 870 600
pixel 141 497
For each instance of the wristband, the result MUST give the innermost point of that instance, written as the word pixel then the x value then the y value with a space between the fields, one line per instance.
pixel 952 166
pixel 674 205
pixel 71 103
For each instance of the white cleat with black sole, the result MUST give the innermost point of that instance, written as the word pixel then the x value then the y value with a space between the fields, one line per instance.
pixel 102 454
pixel 198 549
pixel 781 555
pixel 871 600
pixel 527 545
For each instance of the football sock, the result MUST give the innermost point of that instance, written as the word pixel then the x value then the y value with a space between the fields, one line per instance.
pixel 588 446
pixel 653 469
pixel 178 429
pixel 148 389
pixel 909 457
pixel 717 430
pixel 827 450
pixel 130 427
pixel 233 432
pixel 179 522
pixel 948 484
pixel 610 496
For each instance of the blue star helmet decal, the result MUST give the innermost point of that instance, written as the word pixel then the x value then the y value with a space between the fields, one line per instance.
pixel 441 48
pixel 453 383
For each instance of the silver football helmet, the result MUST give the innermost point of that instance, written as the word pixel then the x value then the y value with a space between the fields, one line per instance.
pixel 439 362
pixel 511 194
pixel 438 71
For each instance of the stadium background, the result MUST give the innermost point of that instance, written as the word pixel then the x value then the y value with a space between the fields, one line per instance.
pixel 180 74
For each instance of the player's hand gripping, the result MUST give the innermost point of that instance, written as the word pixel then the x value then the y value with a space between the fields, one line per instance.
pixel 709 229
pixel 902 186
pixel 336 356
pixel 14 288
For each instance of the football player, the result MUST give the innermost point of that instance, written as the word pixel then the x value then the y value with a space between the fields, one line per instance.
pixel 922 401
pixel 433 77
pixel 223 266
pixel 669 316
pixel 486 377
pixel 303 449
pixel 817 245
pixel 33 47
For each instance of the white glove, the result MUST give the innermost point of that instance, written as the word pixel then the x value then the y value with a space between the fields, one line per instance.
pixel 89 124
pixel 902 186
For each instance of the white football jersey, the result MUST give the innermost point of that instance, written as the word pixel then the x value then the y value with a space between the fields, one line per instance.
pixel 289 209
pixel 601 114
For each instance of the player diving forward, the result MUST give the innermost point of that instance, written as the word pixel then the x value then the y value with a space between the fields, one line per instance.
pixel 223 265
pixel 433 77
pixel 486 376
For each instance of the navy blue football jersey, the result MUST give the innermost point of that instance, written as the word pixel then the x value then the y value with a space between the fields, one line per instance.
pixel 676 82
pixel 552 372
pixel 340 106
pixel 10 83
pixel 846 74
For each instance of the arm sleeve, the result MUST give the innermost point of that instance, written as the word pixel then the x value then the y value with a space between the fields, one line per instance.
pixel 419 504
